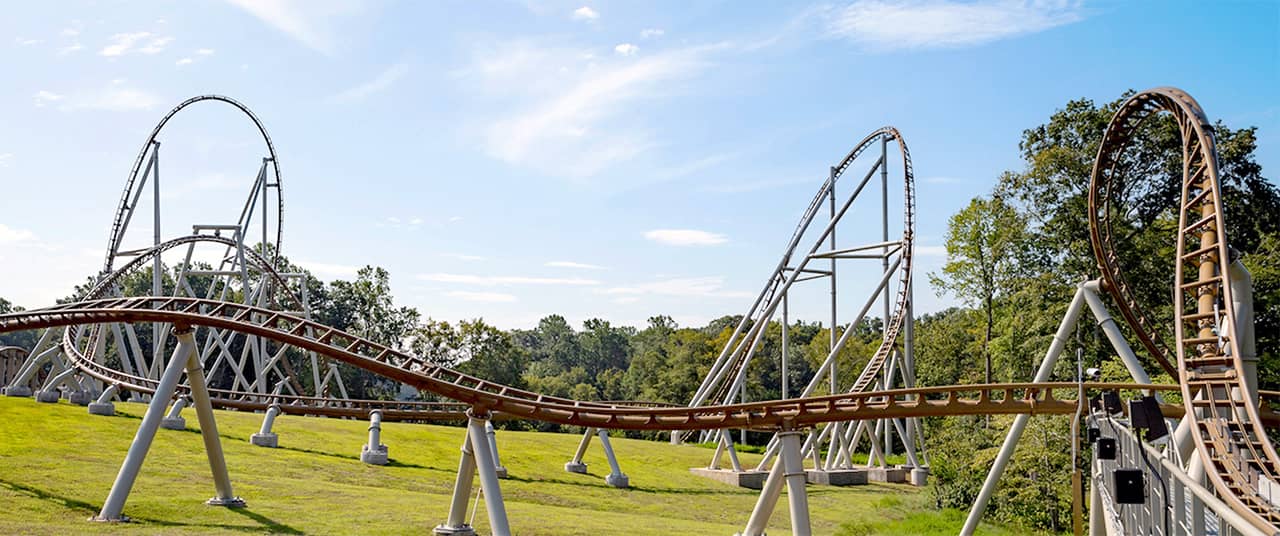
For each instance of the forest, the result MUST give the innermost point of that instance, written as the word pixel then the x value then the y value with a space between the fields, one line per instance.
pixel 1014 256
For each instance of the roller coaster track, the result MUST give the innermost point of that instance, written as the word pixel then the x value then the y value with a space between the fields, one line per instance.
pixel 129 198
pixel 1229 434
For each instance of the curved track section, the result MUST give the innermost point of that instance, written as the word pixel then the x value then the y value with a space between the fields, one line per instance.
pixel 123 208
pixel 484 396
pixel 1229 434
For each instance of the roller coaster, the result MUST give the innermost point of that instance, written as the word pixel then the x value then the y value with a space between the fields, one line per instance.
pixel 241 324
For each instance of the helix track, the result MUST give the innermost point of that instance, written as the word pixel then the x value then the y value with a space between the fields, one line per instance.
pixel 1229 434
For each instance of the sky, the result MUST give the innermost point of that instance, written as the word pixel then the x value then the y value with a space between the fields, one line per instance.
pixel 511 160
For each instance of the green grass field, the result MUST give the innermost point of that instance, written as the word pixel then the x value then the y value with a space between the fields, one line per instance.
pixel 57 463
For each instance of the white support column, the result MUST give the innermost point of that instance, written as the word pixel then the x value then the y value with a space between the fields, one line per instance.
pixel 374 452
pixel 265 437
pixel 174 420
pixel 489 486
pixel 111 510
pixel 788 468
pixel 576 465
pixel 769 494
pixel 1020 422
pixel 615 478
pixel 103 405
pixel 209 431
pixel 493 445
pixel 456 524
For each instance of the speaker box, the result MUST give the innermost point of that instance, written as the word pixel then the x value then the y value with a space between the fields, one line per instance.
pixel 1094 434
pixel 1106 448
pixel 1130 486
pixel 1111 402
pixel 1145 414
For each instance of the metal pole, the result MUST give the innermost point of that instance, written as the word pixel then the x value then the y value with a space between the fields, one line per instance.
pixel 797 499
pixel 147 429
pixel 615 478
pixel 884 215
pixel 457 521
pixel 209 431
pixel 493 445
pixel 786 326
pixel 1020 422
pixel 488 477
pixel 769 494
pixel 157 273
pixel 575 465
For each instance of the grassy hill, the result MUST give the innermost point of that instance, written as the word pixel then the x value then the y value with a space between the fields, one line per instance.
pixel 57 463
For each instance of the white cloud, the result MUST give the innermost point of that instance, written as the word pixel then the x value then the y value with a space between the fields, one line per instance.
pixel 5 158
pixel 461 257
pixel 184 61
pixel 651 32
pixel 73 47
pixel 156 45
pixel 571 264
pixel 565 112
pixel 384 80
pixel 329 271
pixel 122 42
pixel 908 24
pixel 490 280
pixel 314 23
pixel 626 49
pixel 116 97
pixel 10 235
pixel 483 297
pixel 685 237
pixel 454 219
pixel 585 13
pixel 27 42
pixel 44 97
pixel 707 287
pixel 70 32
pixel 205 51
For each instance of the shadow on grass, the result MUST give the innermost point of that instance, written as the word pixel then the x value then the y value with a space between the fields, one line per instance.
pixel 598 482
pixel 267 525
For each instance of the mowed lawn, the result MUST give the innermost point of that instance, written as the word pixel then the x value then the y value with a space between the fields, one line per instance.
pixel 57 463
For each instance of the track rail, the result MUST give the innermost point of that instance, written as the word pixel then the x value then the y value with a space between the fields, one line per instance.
pixel 1020 398
pixel 1229 433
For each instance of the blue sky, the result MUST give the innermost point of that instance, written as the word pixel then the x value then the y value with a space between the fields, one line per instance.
pixel 592 159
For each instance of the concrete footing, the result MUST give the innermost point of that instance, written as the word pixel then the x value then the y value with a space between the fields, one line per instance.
pixel 173 423
pixel 464 530
pixel 373 457
pixel 80 398
pixel 617 481
pixel 890 475
pixel 18 390
pixel 48 397
pixel 837 477
pixel 742 479
pixel 501 471
pixel 105 409
pixel 920 476
pixel 269 440
pixel 573 467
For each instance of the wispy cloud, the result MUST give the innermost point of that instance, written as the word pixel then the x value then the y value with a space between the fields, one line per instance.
pixel 384 80
pixel 567 112
pixel 493 280
pixel 576 265
pixel 205 52
pixel 44 97
pixel 310 22
pixel 73 47
pixel 685 237
pixel 123 43
pixel 329 271
pixel 10 235
pixel 5 158
pixel 626 49
pixel 482 297
pixel 649 33
pixel 115 97
pixel 707 287
pixel 585 13
pixel 184 61
pixel 156 46
pixel 910 24
pixel 22 41
pixel 396 222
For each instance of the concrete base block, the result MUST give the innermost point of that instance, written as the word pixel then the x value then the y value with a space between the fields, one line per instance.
pixel 48 397
pixel 502 471
pixel 837 477
pixel 373 457
pixel 106 409
pixel 173 423
pixel 233 502
pixel 80 398
pixel 269 440
pixel 618 481
pixel 121 519
pixel 20 390
pixel 580 468
pixel 464 530
pixel 744 479
pixel 920 476
pixel 889 474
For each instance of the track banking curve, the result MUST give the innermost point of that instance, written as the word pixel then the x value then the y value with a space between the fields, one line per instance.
pixel 1229 434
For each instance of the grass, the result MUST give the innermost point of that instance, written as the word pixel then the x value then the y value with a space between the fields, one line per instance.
pixel 57 463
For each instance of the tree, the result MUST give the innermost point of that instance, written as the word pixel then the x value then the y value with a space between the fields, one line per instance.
pixel 987 253
pixel 490 353
pixel 365 308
